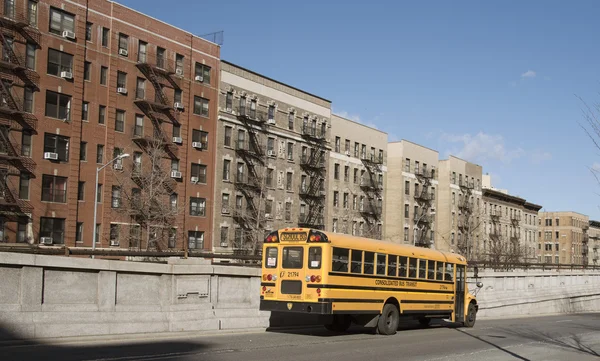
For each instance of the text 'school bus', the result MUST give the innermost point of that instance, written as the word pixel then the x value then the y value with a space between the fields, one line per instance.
pixel 353 279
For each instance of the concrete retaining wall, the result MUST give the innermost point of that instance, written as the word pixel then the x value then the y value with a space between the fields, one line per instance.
pixel 52 296
pixel 49 296
pixel 522 292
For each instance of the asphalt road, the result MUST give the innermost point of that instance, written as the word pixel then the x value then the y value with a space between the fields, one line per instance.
pixel 568 337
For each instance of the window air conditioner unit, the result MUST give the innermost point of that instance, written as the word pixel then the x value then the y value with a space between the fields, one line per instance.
pixel 199 78
pixel 123 52
pixel 179 71
pixel 118 166
pixel 50 155
pixel 194 179
pixel 197 145
pixel 224 244
pixel 271 153
pixel 347 153
pixel 114 243
pixel 271 121
pixel 175 174
pixel 122 91
pixel 46 240
pixel 66 75
pixel 68 34
pixel 177 140
pixel 178 105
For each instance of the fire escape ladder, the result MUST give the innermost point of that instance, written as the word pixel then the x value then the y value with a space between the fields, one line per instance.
pixel 17 64
pixel 19 22
pixel 8 99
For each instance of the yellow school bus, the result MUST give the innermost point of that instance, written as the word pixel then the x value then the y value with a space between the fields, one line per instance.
pixel 347 279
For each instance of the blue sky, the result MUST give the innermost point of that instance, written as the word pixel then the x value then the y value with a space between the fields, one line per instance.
pixel 492 82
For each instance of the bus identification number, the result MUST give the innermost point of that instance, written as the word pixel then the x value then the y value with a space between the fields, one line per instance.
pixel 293 274
pixel 293 237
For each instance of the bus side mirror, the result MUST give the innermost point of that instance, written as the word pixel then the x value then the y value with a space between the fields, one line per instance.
pixel 479 284
pixel 476 272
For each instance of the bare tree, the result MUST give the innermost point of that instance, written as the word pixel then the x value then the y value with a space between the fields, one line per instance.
pixel 145 195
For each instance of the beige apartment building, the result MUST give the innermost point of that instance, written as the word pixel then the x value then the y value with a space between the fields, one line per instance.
pixel 357 172
pixel 594 243
pixel 509 228
pixel 459 207
pixel 563 238
pixel 272 144
pixel 412 183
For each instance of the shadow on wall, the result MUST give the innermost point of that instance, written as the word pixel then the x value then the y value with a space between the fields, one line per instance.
pixel 13 347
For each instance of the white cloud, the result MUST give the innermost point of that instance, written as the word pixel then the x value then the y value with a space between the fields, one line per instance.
pixel 528 74
pixel 596 167
pixel 482 147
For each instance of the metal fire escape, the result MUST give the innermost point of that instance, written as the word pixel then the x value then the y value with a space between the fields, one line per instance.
pixel 372 186
pixel 515 221
pixel 465 224
pixel 15 118
pixel 312 192
pixel 585 245
pixel 424 198
pixel 161 109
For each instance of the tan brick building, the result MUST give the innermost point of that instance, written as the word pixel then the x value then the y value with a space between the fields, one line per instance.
pixel 510 227
pixel 412 187
pixel 563 238
pixel 357 173
pixel 83 85
pixel 459 207
pixel 272 142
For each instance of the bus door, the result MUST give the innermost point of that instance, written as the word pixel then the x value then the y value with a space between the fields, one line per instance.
pixel 459 301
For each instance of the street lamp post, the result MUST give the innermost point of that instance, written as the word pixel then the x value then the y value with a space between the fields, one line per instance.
pixel 119 157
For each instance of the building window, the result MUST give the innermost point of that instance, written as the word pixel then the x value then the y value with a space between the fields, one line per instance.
pixel 195 239
pixel 121 79
pixel 336 198
pixel 346 174
pixel 26 144
pixel 271 147
pixel 27 100
pixel 99 193
pixel 224 236
pixel 32 12
pixel 227 140
pixel 200 106
pixel 336 171
pixel 226 170
pixel 9 11
pixel 288 181
pixel 30 56
pixel 268 208
pixel 88 31
pixel 57 144
pixel 270 172
pixel 84 111
pixel 86 70
pixel 291 121
pixel 355 175
pixel 202 73
pixel 345 200
pixel 100 153
pixel 407 188
pixel 24 186
pixel 80 190
pixel 54 189
pixel 61 21
pixel 337 144
pixel 120 121
pixel 58 105
pixel 406 211
pixel 288 211
pixel 199 136
pixel 290 151
pixel 123 44
pixel 271 112
pixel 103 74
pixel 199 172
pixel 101 114
pixel 116 197
pixel 83 151
pixel 53 228
pixel 105 36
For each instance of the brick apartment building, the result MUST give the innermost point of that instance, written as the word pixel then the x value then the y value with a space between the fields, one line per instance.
pixel 82 85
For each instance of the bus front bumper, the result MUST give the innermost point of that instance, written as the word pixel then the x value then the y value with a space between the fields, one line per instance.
pixel 318 308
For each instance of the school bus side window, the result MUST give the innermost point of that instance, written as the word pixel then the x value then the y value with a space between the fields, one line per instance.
pixel 369 260
pixel 430 270
pixel 381 264
pixel 449 272
pixel 402 267
pixel 422 268
pixel 392 265
pixel 340 260
pixel 314 257
pixel 412 268
pixel 271 257
pixel 356 261
pixel 292 257
pixel 440 271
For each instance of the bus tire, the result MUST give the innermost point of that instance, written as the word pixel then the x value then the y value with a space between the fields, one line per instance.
pixel 340 323
pixel 388 320
pixel 471 316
